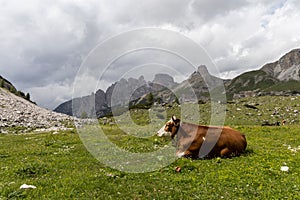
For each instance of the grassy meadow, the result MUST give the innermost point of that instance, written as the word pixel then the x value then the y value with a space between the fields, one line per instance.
pixel 61 168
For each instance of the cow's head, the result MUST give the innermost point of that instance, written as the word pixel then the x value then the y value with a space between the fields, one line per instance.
pixel 170 128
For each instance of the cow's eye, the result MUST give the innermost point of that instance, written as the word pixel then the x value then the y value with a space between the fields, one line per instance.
pixel 167 127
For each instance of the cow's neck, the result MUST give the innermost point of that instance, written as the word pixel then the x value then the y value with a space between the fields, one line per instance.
pixel 176 135
pixel 175 130
pixel 180 130
pixel 187 130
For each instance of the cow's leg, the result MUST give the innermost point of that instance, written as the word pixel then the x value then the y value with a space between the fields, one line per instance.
pixel 188 154
pixel 180 154
pixel 225 152
pixel 185 154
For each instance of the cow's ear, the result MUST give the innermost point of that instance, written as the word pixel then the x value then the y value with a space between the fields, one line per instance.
pixel 173 118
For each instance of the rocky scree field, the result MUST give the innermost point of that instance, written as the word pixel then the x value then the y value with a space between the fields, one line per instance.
pixel 19 115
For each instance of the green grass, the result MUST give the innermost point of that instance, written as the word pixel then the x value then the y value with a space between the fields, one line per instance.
pixel 292 85
pixel 61 168
pixel 252 80
pixel 270 108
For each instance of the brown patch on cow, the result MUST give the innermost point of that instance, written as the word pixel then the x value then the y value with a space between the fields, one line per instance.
pixel 172 126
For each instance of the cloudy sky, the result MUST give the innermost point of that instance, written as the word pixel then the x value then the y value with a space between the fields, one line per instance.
pixel 43 43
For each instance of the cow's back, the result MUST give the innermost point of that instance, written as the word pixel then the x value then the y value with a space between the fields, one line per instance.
pixel 219 141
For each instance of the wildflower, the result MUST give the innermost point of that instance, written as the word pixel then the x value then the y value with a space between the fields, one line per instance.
pixel 284 168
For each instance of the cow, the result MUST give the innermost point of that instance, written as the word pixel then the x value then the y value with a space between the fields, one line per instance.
pixel 196 141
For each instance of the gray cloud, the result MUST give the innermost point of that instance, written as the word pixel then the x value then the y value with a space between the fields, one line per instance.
pixel 208 10
pixel 43 43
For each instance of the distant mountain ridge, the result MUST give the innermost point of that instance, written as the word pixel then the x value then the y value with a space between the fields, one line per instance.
pixel 117 95
pixel 137 92
pixel 281 77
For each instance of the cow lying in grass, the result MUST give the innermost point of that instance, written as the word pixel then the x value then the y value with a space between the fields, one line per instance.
pixel 204 141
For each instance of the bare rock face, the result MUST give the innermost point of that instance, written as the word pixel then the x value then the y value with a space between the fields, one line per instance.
pixel 121 92
pixel 198 85
pixel 85 107
pixel 101 107
pixel 286 68
pixel 18 112
pixel 164 80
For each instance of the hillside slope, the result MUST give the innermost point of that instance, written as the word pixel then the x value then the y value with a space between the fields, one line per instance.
pixel 281 77
pixel 286 68
pixel 18 113
pixel 10 87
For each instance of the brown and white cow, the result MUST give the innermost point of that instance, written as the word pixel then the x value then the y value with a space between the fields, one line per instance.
pixel 204 141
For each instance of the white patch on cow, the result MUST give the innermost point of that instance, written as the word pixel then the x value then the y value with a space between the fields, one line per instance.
pixel 203 138
pixel 162 132
pixel 180 155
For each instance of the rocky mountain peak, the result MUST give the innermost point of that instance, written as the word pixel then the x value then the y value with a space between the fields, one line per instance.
pixel 290 59
pixel 286 68
pixel 164 79
pixel 202 69
pixel 205 78
pixel 124 90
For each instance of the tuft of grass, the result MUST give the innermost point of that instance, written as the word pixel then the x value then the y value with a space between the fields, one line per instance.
pixel 32 170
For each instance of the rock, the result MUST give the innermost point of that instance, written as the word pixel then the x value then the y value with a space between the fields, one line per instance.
pixel 164 80
pixel 178 169
pixel 251 106
pixel 25 186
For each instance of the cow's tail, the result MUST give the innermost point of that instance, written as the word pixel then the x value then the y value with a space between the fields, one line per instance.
pixel 245 142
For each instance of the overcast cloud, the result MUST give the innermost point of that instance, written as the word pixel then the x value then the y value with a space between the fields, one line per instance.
pixel 43 43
